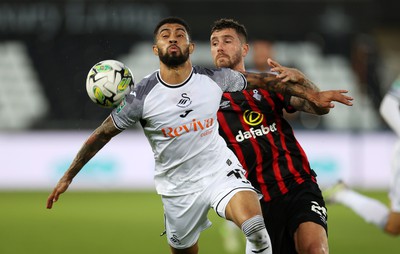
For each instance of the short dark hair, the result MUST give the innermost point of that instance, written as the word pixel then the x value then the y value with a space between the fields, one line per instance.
pixel 225 23
pixel 172 20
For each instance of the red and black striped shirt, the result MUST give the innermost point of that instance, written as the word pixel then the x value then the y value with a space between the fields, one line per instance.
pixel 254 128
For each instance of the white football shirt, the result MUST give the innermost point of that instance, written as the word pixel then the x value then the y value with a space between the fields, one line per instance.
pixel 180 122
pixel 390 111
pixel 389 107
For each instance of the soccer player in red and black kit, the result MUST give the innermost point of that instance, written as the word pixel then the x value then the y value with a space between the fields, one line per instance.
pixel 253 125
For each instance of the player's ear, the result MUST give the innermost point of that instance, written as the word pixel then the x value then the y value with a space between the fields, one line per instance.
pixel 245 49
pixel 191 47
pixel 155 50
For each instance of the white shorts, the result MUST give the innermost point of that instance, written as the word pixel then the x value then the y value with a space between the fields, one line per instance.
pixel 394 192
pixel 186 215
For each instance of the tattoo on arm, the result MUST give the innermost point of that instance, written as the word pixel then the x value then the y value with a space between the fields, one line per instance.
pixel 96 141
pixel 309 84
pixel 271 83
pixel 307 106
pixel 301 93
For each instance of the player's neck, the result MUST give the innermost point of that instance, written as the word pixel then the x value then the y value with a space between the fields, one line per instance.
pixel 175 75
pixel 239 67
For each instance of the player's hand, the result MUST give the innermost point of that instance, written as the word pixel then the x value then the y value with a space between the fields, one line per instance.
pixel 285 73
pixel 61 187
pixel 324 99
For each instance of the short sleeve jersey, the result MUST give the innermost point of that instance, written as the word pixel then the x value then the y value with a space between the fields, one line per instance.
pixel 180 123
pixel 253 125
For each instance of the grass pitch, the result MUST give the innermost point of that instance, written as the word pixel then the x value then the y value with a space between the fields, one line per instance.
pixel 131 222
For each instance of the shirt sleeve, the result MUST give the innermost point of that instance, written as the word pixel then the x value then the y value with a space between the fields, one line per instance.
pixel 130 110
pixel 229 80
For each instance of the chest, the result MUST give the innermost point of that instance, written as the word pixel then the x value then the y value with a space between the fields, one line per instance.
pixel 196 101
pixel 255 100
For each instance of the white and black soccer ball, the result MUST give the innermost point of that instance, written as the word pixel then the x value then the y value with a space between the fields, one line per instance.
pixel 107 83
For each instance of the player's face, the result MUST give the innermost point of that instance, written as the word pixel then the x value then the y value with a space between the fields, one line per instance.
pixel 173 46
pixel 227 49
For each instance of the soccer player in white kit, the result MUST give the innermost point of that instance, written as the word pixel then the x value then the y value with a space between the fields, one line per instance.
pixel 372 210
pixel 194 169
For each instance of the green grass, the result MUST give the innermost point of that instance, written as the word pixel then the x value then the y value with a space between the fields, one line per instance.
pixel 131 222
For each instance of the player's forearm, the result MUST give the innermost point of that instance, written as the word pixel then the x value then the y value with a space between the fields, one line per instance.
pixel 270 82
pixel 92 145
pixel 96 141
pixel 306 106
pixel 309 84
pixel 305 96
pixel 264 80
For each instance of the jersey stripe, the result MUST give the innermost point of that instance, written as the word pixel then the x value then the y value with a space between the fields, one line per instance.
pixel 275 155
pixel 287 152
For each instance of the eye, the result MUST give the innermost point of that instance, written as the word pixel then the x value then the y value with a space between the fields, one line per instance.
pixel 164 35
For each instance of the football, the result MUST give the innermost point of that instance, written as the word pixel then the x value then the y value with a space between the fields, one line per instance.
pixel 107 83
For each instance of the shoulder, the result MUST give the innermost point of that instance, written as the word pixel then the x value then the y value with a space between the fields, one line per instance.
pixel 145 85
pixel 204 70
pixel 212 71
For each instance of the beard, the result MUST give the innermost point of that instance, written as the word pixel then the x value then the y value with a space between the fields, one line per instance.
pixel 175 59
pixel 229 62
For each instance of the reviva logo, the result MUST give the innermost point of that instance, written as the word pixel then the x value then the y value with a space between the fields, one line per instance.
pixel 194 125
pixel 254 133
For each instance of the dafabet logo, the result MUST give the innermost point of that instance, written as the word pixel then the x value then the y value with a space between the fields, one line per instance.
pixel 254 118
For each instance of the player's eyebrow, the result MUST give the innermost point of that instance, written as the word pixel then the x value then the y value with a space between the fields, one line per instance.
pixel 225 36
pixel 170 29
pixel 164 29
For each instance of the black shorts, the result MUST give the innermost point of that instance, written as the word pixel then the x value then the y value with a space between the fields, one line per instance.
pixel 284 214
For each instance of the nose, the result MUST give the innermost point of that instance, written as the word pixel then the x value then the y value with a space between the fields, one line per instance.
pixel 173 40
pixel 219 47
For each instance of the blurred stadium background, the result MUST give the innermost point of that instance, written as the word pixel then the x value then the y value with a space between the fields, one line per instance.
pixel 47 48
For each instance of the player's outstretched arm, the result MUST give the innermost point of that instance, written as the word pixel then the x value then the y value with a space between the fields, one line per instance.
pixel 320 103
pixel 284 80
pixel 316 102
pixel 100 137
pixel 306 96
pixel 270 82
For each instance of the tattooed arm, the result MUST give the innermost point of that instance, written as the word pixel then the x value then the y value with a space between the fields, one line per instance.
pixel 306 96
pixel 96 141
pixel 271 82
pixel 296 76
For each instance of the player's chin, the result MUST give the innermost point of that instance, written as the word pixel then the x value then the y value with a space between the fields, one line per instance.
pixel 222 63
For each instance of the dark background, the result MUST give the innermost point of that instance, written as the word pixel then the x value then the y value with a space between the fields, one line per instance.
pixel 65 38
